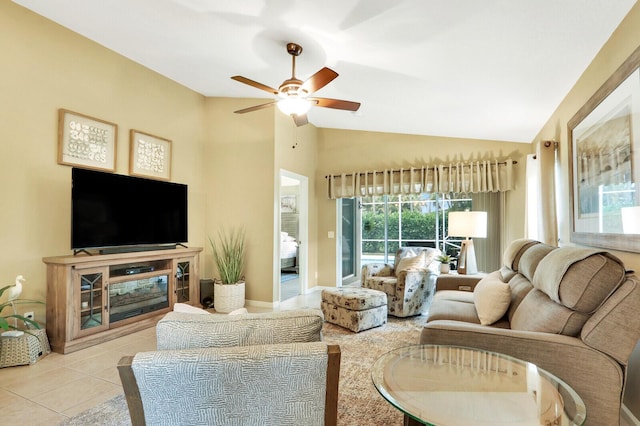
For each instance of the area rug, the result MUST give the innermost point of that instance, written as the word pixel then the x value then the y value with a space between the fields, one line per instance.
pixel 358 403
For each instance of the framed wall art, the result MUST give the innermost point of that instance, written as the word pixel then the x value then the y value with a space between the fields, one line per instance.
pixel 289 204
pixel 604 142
pixel 150 156
pixel 86 142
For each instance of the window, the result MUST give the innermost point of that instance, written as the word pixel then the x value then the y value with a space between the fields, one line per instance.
pixel 392 221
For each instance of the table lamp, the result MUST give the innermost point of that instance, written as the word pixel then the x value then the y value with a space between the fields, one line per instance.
pixel 469 225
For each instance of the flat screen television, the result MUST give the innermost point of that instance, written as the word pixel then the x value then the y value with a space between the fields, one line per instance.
pixel 116 211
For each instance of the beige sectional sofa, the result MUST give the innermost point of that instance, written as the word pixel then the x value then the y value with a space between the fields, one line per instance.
pixel 574 312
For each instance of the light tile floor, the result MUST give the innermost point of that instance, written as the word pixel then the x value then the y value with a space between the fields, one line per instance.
pixel 60 386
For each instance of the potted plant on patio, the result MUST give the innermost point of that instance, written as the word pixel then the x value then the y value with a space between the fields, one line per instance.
pixel 445 261
pixel 228 254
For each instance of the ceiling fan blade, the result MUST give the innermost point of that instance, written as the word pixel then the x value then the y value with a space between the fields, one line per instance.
pixel 255 108
pixel 336 104
pixel 319 80
pixel 255 84
pixel 300 120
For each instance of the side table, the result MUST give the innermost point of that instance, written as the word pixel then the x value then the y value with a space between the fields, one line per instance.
pixel 455 281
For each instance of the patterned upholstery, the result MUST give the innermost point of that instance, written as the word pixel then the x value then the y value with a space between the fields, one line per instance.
pixel 281 384
pixel 178 330
pixel 251 369
pixel 357 309
pixel 409 291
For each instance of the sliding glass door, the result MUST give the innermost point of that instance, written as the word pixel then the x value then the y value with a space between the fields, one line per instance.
pixel 349 240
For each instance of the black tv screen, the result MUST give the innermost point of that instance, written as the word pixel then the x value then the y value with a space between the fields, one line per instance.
pixel 110 210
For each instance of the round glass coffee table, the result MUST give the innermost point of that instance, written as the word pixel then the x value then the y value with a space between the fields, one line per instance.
pixel 451 385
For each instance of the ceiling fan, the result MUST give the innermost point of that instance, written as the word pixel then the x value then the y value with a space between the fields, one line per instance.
pixel 294 94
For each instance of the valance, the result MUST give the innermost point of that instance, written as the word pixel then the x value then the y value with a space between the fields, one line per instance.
pixel 460 177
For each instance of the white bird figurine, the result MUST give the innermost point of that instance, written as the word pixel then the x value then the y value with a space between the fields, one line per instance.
pixel 14 293
pixel 16 290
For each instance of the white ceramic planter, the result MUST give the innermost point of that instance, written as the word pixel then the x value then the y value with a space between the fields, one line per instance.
pixel 228 297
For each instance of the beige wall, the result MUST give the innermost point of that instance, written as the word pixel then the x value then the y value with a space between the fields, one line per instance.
pixel 621 44
pixel 346 151
pixel 243 156
pixel 44 67
pixel 297 152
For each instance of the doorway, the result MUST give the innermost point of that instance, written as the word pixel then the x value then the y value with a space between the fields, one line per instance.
pixel 293 232
pixel 348 241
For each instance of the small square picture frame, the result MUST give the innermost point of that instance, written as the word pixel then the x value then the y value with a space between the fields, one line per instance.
pixel 86 142
pixel 149 156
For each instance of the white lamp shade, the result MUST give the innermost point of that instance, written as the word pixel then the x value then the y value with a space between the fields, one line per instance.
pixel 468 224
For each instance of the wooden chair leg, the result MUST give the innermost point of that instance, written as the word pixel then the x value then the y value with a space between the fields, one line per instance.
pixel 131 391
pixel 333 377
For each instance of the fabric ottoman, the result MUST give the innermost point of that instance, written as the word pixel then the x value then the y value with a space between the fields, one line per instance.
pixel 357 309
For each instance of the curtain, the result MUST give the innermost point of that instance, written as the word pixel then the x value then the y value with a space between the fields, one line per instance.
pixel 532 198
pixel 541 194
pixel 461 177
pixel 489 250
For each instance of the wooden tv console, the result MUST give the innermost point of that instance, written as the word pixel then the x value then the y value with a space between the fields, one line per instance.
pixel 93 299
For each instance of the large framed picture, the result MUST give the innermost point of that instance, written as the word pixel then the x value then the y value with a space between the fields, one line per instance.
pixel 604 138
pixel 86 142
pixel 150 156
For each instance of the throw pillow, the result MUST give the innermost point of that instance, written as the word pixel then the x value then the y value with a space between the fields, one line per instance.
pixel 413 262
pixel 491 298
pixel 183 307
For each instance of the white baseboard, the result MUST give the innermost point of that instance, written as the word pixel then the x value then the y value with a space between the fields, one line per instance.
pixel 628 417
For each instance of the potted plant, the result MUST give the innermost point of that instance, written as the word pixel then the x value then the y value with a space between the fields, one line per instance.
pixel 445 261
pixel 228 254
pixel 12 300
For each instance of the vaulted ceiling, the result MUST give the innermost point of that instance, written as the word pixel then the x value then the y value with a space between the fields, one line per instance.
pixel 490 69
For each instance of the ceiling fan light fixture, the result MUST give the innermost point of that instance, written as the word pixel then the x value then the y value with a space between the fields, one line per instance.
pixel 293 105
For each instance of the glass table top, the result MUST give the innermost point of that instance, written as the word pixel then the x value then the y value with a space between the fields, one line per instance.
pixel 451 385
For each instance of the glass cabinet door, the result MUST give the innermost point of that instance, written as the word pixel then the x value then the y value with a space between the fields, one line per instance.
pixel 183 278
pixel 91 286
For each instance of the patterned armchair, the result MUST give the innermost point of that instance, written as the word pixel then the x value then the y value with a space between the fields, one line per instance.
pixel 251 369
pixel 409 284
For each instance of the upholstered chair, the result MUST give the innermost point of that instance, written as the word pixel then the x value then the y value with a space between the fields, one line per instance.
pixel 409 283
pixel 250 369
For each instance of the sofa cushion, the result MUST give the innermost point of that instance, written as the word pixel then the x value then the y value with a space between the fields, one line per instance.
pixel 520 287
pixel 447 309
pixel 430 254
pixel 179 330
pixel 579 278
pixel 403 252
pixel 183 307
pixel 511 256
pixel 532 257
pixel 411 262
pixel 385 284
pixel 620 313
pixel 491 297
pixel 537 312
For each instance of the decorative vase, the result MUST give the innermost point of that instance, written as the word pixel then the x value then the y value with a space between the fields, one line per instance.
pixel 445 268
pixel 228 297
